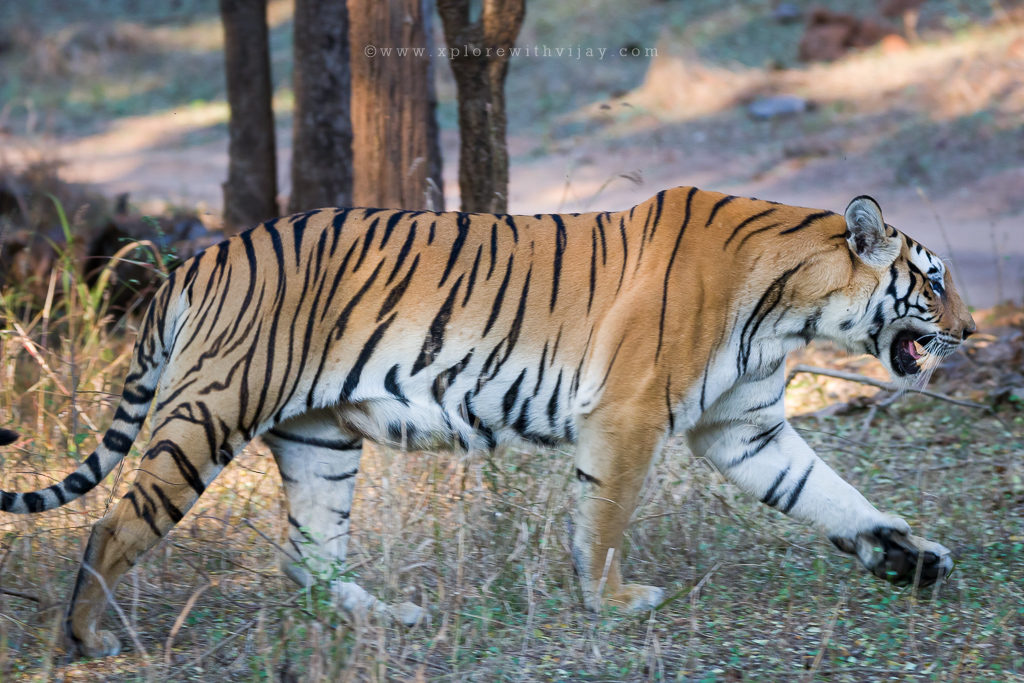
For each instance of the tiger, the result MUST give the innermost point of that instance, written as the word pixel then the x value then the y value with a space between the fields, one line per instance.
pixel 603 333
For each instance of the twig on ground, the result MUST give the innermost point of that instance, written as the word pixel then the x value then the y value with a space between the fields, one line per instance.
pixel 809 676
pixel 693 590
pixel 19 594
pixel 888 386
pixel 180 621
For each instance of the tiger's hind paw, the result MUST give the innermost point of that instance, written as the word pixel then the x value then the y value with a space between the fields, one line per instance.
pixel 409 614
pixel 97 645
pixel 629 597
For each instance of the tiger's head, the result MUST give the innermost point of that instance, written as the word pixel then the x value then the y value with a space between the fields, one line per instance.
pixel 902 306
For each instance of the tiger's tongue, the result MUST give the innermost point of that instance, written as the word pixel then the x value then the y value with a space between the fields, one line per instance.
pixel 911 348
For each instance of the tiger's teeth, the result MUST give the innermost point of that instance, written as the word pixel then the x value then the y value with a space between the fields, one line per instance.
pixel 921 350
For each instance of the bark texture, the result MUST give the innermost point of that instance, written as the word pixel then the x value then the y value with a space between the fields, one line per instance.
pixel 322 134
pixel 250 192
pixel 395 148
pixel 480 66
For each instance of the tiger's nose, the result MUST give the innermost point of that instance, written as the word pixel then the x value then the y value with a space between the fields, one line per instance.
pixel 969 329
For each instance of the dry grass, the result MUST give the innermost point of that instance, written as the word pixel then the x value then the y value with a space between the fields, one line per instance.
pixel 481 541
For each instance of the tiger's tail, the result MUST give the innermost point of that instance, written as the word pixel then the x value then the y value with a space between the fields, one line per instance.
pixel 147 365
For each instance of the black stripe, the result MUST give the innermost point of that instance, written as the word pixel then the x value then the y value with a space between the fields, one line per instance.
pixel 770 498
pixel 660 202
pixel 147 511
pixel 185 467
pixel 560 241
pixel 511 396
pixel 56 490
pixel 117 441
pixel 34 502
pixel 718 205
pixel 93 463
pixel 759 443
pixel 123 415
pixel 765 305
pixel 352 380
pixel 403 252
pixel 367 240
pixel 510 222
pixel 331 444
pixel 337 223
pixel 625 253
pixel 343 514
pixel 744 223
pixel 462 223
pixel 170 508
pixel 517 322
pixel 389 226
pixel 608 371
pixel 494 250
pixel 295 523
pixel 540 369
pixel 476 423
pixel 340 477
pixel 77 484
pixel 807 221
pixel 643 236
pixel 472 276
pixel 337 277
pixel 435 336
pixel 593 267
pixel 499 297
pixel 668 405
pixel 392 387
pixel 553 401
pixel 7 500
pixel 137 395
pixel 298 230
pixel 445 379
pixel 755 233
pixel 769 403
pixel 795 495
pixel 398 291
pixel 668 271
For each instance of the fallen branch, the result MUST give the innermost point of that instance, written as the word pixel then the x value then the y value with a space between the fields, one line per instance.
pixel 888 386
pixel 19 594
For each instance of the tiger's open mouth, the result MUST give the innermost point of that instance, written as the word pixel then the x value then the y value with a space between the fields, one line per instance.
pixel 909 347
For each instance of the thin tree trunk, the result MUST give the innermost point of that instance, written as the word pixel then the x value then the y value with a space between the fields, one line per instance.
pixel 250 192
pixel 479 54
pixel 322 134
pixel 395 147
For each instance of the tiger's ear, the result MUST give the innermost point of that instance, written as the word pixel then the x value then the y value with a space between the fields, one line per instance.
pixel 876 245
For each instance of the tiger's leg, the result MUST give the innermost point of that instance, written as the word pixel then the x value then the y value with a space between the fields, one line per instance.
pixel 773 463
pixel 183 457
pixel 318 462
pixel 613 456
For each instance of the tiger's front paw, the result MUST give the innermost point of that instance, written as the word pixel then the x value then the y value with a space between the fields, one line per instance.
pixel 894 555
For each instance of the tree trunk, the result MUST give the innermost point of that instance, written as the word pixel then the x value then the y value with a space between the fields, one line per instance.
pixel 250 192
pixel 479 53
pixel 395 147
pixel 322 134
